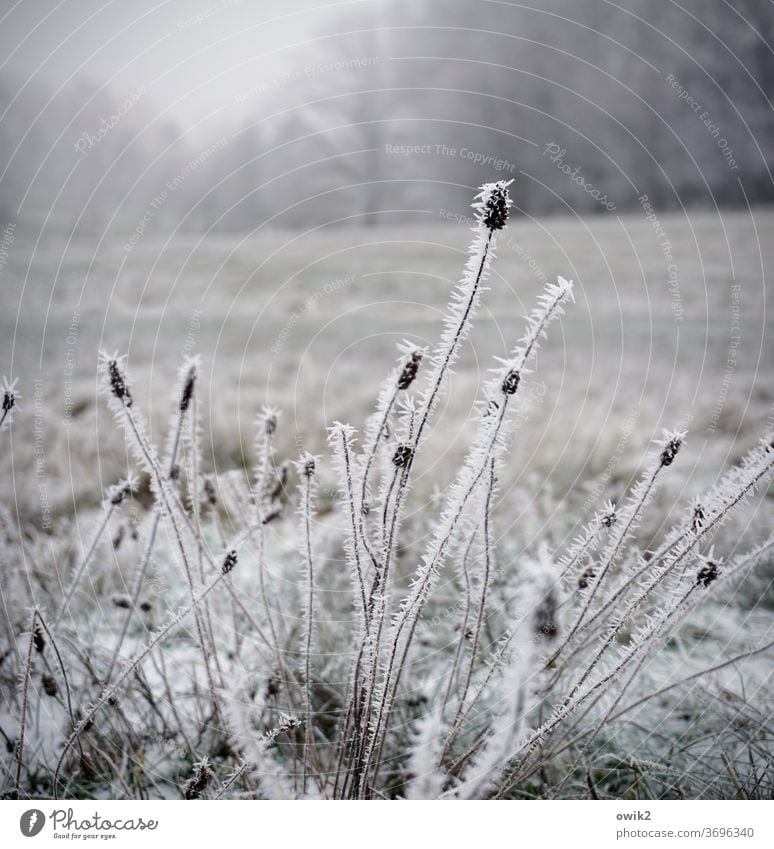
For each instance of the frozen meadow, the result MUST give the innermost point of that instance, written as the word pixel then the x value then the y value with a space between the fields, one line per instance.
pixel 457 689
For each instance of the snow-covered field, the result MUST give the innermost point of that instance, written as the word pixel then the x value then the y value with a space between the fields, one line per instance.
pixel 309 321
pixel 671 328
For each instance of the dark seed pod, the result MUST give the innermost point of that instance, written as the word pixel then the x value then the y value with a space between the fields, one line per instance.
pixel 209 491
pixel 119 492
pixel 273 686
pixel 585 579
pixel 402 456
pixel 544 622
pixel 670 451
pixel 229 561
pixel 188 388
pixel 309 467
pixel 49 685
pixel 410 369
pixel 511 382
pixel 197 784
pixel 707 574
pixel 270 423
pixel 9 399
pixel 609 519
pixel 697 523
pixel 122 601
pixel 494 214
pixel 146 606
pixel 118 384
pixel 38 640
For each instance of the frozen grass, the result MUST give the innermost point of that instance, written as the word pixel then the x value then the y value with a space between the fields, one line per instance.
pixel 427 622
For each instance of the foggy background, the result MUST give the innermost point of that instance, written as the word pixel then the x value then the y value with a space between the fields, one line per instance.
pixel 285 189
pixel 300 113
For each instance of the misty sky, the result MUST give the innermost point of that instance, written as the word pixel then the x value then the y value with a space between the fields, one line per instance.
pixel 193 68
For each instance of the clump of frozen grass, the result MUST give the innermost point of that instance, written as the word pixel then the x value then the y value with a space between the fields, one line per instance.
pixel 454 672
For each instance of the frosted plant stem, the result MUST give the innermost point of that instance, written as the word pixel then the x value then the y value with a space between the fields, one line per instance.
pixel 484 588
pixel 196 508
pixel 307 532
pixel 179 539
pixel 109 692
pixel 720 515
pixel 611 558
pixel 84 564
pixel 136 590
pixel 412 609
pixel 25 701
pixel 454 673
pixel 467 480
pixel 60 662
pixel 353 522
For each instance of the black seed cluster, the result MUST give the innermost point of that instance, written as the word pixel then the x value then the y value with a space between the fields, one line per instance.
pixel 229 561
pixel 118 384
pixel 402 456
pixel 511 382
pixel 670 451
pixel 707 574
pixel 495 212
pixel 410 369
pixel 188 388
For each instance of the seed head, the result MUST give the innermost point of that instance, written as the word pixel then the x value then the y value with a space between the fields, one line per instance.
pixel 707 574
pixel 308 466
pixel 410 369
pixel 209 491
pixel 270 418
pixel 38 640
pixel 493 204
pixel 188 388
pixel 609 515
pixel 544 622
pixel 511 382
pixel 402 456
pixel 122 490
pixel 10 396
pixel 197 784
pixel 697 521
pixel 585 579
pixel 118 383
pixel 49 685
pixel 670 446
pixel 229 561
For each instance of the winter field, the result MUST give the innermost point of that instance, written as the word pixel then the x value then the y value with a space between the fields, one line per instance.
pixel 551 645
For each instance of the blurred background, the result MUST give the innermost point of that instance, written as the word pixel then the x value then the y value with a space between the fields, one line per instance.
pixel 285 189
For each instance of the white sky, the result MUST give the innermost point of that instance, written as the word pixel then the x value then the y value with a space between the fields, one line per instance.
pixel 191 68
